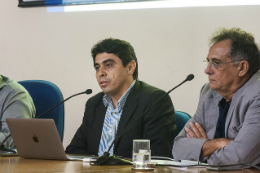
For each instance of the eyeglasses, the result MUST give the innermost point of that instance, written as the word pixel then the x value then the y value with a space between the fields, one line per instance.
pixel 216 65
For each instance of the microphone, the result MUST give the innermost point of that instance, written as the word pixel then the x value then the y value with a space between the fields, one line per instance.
pixel 189 77
pixel 3 148
pixel 105 159
pixel 88 91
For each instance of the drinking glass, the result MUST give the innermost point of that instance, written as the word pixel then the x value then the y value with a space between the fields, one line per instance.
pixel 141 153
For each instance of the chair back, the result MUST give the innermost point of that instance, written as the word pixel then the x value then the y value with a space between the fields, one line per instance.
pixel 181 119
pixel 46 95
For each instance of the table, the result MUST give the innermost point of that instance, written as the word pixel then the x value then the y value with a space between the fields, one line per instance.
pixel 20 165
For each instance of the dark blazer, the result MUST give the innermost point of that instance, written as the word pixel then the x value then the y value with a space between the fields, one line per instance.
pixel 158 124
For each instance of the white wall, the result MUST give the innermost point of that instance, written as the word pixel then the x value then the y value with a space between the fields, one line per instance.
pixel 169 43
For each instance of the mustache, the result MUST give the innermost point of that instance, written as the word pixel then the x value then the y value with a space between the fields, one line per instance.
pixel 105 79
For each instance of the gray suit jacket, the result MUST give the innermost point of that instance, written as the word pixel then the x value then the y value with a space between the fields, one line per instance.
pixel 15 102
pixel 242 125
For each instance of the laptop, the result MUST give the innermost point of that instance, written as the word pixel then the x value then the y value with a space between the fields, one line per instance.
pixel 38 139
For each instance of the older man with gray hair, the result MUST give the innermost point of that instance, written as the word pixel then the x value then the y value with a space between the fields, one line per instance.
pixel 226 126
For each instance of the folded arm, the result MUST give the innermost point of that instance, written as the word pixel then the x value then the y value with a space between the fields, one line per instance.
pixel 242 147
pixel 210 146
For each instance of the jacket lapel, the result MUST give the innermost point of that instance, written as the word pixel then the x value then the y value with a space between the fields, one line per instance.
pixel 129 108
pixel 235 99
pixel 100 113
pixel 212 114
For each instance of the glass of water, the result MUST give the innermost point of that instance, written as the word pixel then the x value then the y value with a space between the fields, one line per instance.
pixel 141 153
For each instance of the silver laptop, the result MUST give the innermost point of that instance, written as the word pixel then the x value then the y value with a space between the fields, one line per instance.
pixel 38 139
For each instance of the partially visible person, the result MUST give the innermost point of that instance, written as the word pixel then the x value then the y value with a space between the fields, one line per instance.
pixel 15 102
pixel 226 126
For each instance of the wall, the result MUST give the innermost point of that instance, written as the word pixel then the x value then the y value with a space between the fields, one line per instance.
pixel 169 43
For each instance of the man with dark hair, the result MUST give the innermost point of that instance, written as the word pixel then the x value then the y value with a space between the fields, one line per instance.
pixel 15 102
pixel 226 126
pixel 120 48
pixel 123 100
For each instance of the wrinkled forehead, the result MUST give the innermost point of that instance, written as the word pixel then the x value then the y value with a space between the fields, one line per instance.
pixel 220 50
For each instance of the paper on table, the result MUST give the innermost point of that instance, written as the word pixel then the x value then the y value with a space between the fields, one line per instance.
pixel 83 158
pixel 182 163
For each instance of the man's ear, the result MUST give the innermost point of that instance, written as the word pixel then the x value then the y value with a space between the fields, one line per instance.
pixel 243 68
pixel 131 67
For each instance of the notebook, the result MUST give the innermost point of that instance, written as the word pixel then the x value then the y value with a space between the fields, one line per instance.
pixel 38 139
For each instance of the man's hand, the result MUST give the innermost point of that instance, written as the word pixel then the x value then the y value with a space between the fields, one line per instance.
pixel 196 131
pixel 210 146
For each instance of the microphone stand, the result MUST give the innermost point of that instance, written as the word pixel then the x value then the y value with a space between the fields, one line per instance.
pixel 3 148
pixel 105 159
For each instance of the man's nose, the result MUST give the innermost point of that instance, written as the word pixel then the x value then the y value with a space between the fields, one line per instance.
pixel 208 69
pixel 101 72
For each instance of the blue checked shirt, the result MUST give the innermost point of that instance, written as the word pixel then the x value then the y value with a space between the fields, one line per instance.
pixel 111 121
